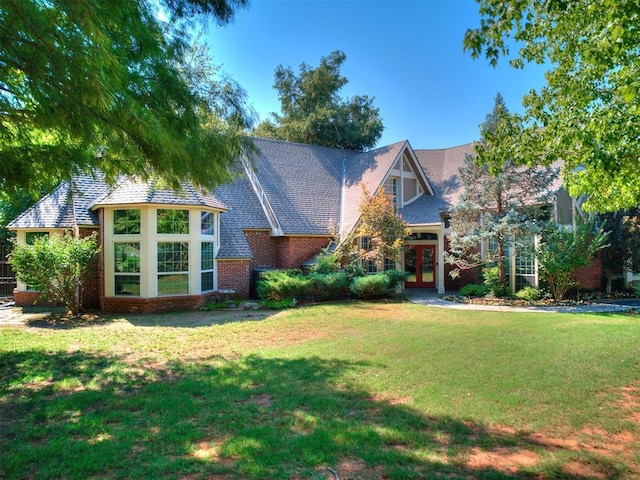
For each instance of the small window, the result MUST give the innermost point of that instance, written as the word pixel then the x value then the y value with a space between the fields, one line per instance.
pixel 126 222
pixel 173 221
pixel 207 223
pixel 391 188
pixel 207 266
pixel 173 268
pixel 31 237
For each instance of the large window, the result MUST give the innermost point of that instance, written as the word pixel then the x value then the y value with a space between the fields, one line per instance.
pixel 207 265
pixel 126 267
pixel 173 268
pixel 126 222
pixel 173 221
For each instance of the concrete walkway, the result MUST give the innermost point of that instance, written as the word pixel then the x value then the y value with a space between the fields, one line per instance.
pixel 11 316
pixel 430 297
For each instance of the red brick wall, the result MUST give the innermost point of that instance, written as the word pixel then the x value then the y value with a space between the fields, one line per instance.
pixel 25 299
pixel 292 252
pixel 234 275
pixel 590 278
pixel 263 247
pixel 155 305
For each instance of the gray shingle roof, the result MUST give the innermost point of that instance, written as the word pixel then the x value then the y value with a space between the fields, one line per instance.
pixel 65 207
pixel 244 212
pixel 441 166
pixel 302 183
pixel 132 191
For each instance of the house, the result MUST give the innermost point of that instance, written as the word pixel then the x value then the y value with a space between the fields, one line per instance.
pixel 163 250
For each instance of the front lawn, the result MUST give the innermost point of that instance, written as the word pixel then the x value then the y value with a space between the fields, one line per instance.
pixel 365 390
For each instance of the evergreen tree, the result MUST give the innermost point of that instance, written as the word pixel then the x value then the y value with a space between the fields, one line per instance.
pixel 497 208
pixel 313 112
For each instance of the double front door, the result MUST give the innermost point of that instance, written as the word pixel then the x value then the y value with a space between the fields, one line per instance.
pixel 420 262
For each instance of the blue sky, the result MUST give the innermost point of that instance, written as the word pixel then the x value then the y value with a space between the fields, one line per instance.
pixel 407 54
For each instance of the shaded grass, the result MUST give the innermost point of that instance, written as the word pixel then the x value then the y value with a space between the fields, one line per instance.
pixel 370 390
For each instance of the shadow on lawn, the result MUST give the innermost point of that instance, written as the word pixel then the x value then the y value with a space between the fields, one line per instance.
pixel 77 415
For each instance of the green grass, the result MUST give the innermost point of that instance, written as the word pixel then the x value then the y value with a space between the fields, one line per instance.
pixel 370 390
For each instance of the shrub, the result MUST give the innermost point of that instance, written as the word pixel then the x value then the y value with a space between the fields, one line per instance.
pixel 281 284
pixel 528 293
pixel 278 304
pixel 474 290
pixel 326 263
pixel 396 277
pixel 370 286
pixel 329 285
pixel 491 280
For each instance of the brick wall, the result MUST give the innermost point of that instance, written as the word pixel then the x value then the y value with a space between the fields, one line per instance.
pixel 292 252
pixel 590 277
pixel 155 305
pixel 263 247
pixel 234 275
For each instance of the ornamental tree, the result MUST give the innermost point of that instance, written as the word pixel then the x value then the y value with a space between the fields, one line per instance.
pixel 56 267
pixel 623 228
pixel 382 226
pixel 588 113
pixel 561 252
pixel 498 206
pixel 313 112
pixel 113 85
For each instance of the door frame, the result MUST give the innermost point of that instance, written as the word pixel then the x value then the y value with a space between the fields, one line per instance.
pixel 419 283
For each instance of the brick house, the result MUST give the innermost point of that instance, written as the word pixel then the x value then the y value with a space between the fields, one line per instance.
pixel 163 250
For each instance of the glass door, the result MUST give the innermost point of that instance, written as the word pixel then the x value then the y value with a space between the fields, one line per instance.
pixel 420 262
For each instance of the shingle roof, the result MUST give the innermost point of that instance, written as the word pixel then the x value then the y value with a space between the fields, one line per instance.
pixel 132 191
pixel 302 183
pixel 368 168
pixel 244 212
pixel 441 166
pixel 65 207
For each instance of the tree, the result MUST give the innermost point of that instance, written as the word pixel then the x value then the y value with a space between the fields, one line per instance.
pixel 588 114
pixel 314 113
pixel 113 85
pixel 56 267
pixel 497 208
pixel 385 230
pixel 623 229
pixel 561 252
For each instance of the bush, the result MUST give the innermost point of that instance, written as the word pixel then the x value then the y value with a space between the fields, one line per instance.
pixel 396 277
pixel 281 284
pixel 491 280
pixel 528 293
pixel 370 286
pixel 474 290
pixel 329 285
pixel 278 304
pixel 326 263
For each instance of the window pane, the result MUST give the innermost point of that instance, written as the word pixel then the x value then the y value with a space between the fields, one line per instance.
pixel 207 281
pixel 128 285
pixel 207 223
pixel 175 284
pixel 173 257
pixel 207 259
pixel 31 237
pixel 126 257
pixel 173 221
pixel 126 222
